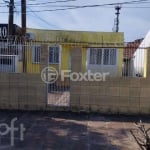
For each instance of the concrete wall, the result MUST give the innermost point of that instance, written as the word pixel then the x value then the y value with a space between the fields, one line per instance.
pixel 115 95
pixel 22 91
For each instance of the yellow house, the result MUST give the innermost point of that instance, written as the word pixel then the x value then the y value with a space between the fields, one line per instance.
pixel 101 51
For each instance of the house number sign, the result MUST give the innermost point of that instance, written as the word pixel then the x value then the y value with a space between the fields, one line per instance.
pixel 3 32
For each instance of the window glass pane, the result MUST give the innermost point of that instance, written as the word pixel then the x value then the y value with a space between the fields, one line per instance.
pixel 36 54
pixel 106 57
pixel 99 56
pixel 51 53
pixel 5 61
pixel 92 55
pixel 112 56
pixel 54 54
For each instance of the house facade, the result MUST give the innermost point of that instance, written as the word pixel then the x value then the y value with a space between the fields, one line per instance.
pixel 79 51
pixel 101 51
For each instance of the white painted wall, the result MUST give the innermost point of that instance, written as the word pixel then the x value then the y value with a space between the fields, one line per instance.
pixel 140 56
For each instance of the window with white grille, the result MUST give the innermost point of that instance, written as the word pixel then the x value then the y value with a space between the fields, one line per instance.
pixel 54 54
pixel 9 63
pixel 36 53
pixel 15 49
pixel 103 56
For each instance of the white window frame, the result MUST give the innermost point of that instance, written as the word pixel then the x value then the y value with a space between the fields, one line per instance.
pixel 17 49
pixel 34 53
pixel 102 57
pixel 11 66
pixel 59 53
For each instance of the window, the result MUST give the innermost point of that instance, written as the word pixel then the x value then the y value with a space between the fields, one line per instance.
pixel 54 54
pixel 102 56
pixel 9 63
pixel 5 61
pixel 95 56
pixel 11 50
pixel 36 54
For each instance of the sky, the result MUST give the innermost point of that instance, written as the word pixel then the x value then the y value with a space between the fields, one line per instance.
pixel 134 19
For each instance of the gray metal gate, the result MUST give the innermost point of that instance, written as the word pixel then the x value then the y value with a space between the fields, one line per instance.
pixel 59 94
pixel 58 89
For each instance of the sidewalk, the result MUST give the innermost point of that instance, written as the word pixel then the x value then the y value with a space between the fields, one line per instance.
pixel 69 131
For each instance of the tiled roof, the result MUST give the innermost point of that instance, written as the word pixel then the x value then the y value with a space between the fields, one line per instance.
pixel 131 47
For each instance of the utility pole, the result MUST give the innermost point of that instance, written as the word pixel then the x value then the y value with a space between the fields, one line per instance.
pixel 23 26
pixel 116 22
pixel 23 16
pixel 11 18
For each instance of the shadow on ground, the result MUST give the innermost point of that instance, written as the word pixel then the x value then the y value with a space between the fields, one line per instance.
pixel 69 131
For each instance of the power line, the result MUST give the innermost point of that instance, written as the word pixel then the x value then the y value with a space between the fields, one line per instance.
pixel 63 1
pixel 43 3
pixel 46 3
pixel 52 2
pixel 40 18
pixel 128 2
pixel 90 6
pixel 63 6
pixel 61 9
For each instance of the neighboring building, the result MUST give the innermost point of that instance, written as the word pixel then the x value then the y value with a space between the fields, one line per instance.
pixel 101 51
pixel 140 57
pixel 128 56
pixel 10 50
pixel 135 57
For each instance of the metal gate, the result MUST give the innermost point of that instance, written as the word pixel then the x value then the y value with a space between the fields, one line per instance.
pixel 59 94
pixel 58 88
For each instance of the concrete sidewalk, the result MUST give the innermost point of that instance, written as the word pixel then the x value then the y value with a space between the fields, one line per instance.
pixel 69 131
